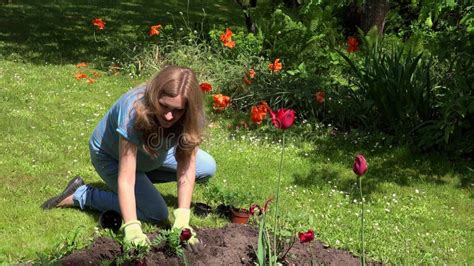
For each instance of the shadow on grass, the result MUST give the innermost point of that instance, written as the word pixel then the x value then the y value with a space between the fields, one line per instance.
pixel 60 32
pixel 332 158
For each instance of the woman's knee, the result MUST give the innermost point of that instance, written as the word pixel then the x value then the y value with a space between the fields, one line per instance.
pixel 155 215
pixel 206 167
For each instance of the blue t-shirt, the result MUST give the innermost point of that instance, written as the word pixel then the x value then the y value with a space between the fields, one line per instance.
pixel 119 121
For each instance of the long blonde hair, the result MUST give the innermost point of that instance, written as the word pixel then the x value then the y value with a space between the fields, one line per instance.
pixel 172 81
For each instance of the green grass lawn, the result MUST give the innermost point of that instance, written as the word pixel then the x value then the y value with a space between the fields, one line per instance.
pixel 419 207
pixel 419 210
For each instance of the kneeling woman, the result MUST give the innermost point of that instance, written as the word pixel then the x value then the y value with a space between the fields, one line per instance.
pixel 150 135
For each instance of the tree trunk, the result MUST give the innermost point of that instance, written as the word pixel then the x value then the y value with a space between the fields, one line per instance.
pixel 374 15
pixel 249 23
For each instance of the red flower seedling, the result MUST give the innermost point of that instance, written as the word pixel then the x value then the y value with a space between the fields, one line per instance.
pixel 283 118
pixel 154 30
pixel 255 209
pixel 306 237
pixel 185 235
pixel 99 23
pixel 360 166
pixel 205 87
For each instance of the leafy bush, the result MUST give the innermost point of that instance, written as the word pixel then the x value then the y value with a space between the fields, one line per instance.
pixel 395 90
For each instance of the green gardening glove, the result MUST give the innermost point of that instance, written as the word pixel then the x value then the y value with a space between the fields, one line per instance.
pixel 181 221
pixel 134 234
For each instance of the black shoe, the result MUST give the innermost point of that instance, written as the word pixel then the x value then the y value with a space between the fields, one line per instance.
pixel 71 187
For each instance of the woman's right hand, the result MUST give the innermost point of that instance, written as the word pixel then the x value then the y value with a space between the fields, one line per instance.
pixel 134 234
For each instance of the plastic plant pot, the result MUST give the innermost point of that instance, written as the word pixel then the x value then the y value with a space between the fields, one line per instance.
pixel 239 216
pixel 202 209
pixel 110 219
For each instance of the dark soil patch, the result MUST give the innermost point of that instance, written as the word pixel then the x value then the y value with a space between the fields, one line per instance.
pixel 233 244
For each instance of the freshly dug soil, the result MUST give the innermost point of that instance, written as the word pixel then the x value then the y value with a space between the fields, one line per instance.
pixel 234 244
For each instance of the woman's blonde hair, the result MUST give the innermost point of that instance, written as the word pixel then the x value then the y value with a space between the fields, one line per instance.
pixel 188 130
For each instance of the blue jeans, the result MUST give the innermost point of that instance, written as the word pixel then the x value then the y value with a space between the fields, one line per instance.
pixel 151 206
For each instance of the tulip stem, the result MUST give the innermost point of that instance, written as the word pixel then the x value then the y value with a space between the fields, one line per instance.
pixel 362 222
pixel 277 197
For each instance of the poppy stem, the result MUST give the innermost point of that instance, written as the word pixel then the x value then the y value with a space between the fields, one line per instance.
pixel 362 222
pixel 278 196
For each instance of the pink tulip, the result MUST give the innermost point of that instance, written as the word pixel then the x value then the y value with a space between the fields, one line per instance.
pixel 283 118
pixel 360 165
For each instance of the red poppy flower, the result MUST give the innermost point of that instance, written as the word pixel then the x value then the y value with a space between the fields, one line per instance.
pixel 99 23
pixel 81 64
pixel 360 166
pixel 319 97
pixel 186 234
pixel 221 102
pixel 275 66
pixel 154 30
pixel 80 75
pixel 283 118
pixel 352 44
pixel 306 236
pixel 90 81
pixel 205 87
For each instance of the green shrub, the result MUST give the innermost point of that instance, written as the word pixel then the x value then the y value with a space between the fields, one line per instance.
pixel 394 89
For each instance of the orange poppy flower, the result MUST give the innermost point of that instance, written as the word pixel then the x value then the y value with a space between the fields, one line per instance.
pixel 226 36
pixel 259 112
pixel 252 73
pixel 226 39
pixel 275 66
pixel 99 23
pixel 263 106
pixel 81 64
pixel 154 30
pixel 221 102
pixel 247 80
pixel 205 87
pixel 352 44
pixel 229 44
pixel 90 81
pixel 319 97
pixel 80 76
pixel 257 115
pixel 96 74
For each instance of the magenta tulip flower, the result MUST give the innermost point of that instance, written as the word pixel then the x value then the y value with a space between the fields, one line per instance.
pixel 360 165
pixel 283 118
pixel 306 236
pixel 186 234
